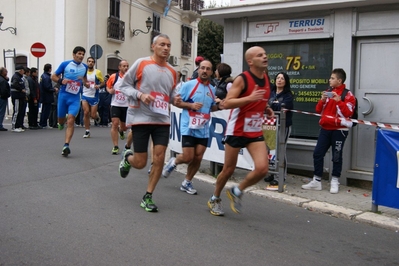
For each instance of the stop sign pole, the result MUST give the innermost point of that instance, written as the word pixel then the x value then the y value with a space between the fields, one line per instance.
pixel 38 50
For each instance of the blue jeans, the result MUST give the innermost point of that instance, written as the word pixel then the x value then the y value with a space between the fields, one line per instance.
pixel 327 139
pixel 3 105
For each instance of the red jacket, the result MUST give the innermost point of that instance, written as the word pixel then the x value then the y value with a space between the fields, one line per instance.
pixel 330 110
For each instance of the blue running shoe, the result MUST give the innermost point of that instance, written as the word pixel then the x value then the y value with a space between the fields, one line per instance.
pixel 169 167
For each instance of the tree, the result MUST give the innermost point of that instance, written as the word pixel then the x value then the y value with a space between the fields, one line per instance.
pixel 210 40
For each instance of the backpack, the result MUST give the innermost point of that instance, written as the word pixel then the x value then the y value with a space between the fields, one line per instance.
pixel 355 114
pixel 116 78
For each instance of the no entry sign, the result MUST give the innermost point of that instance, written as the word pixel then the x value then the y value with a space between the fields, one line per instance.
pixel 38 49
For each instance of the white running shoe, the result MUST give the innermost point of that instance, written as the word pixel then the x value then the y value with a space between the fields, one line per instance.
pixel 312 185
pixel 334 189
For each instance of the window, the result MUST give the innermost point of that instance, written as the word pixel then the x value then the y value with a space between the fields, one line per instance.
pixel 156 26
pixel 114 8
pixel 186 37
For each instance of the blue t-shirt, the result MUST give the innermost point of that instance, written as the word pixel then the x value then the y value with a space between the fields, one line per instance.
pixel 204 94
pixel 75 72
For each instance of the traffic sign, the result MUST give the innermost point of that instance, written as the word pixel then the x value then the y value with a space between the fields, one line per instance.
pixel 38 49
pixel 96 51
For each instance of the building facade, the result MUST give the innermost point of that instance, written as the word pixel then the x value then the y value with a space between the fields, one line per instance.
pixel 117 28
pixel 307 39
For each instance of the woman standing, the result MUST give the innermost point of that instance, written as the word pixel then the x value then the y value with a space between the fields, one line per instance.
pixel 281 97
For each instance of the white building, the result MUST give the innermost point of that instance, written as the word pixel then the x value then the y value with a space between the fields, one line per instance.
pixel 60 25
pixel 307 39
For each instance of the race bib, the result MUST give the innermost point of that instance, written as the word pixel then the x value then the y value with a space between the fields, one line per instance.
pixel 198 120
pixel 161 103
pixel 73 87
pixel 120 97
pixel 92 84
pixel 253 122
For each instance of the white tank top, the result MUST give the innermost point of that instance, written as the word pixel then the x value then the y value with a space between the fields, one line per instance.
pixel 119 99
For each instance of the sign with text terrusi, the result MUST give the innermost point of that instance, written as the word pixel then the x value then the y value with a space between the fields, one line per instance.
pixel 308 64
pixel 289 27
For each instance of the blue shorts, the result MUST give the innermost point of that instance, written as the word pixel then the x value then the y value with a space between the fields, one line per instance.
pixel 90 100
pixel 68 104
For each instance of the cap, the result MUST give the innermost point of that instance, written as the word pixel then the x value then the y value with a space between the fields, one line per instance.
pixel 199 59
pixel 19 67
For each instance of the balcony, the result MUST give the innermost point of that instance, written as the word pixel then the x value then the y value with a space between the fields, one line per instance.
pixel 191 9
pixel 116 30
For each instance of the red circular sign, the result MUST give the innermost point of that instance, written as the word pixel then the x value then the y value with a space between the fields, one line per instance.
pixel 38 49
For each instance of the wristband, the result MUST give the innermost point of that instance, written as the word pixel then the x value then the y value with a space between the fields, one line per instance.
pixel 60 81
pixel 139 94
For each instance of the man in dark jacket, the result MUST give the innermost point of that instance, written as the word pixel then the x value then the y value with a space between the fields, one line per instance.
pixel 46 95
pixel 33 98
pixel 18 98
pixel 4 95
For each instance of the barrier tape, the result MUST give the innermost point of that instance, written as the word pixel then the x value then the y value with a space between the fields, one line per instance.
pixel 364 122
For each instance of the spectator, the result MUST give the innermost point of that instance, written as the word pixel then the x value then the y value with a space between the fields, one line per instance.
pixel 4 95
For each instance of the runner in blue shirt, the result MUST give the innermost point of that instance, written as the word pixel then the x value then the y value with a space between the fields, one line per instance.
pixel 197 99
pixel 71 75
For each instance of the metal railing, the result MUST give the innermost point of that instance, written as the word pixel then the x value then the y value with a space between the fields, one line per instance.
pixel 192 5
pixel 116 29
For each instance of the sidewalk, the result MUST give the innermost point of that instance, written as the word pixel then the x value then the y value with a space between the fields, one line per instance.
pixel 350 203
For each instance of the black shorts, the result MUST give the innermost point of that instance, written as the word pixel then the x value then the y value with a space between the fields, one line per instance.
pixel 119 112
pixel 191 142
pixel 241 142
pixel 141 135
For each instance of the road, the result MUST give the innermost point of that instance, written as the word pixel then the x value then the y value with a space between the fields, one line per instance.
pixel 78 211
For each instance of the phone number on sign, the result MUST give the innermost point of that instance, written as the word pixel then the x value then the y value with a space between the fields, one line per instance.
pixel 307 99
pixel 308 93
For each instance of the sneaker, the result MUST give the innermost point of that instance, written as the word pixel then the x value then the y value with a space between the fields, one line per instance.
pixel 148 204
pixel 149 169
pixel 60 127
pixel 115 151
pixel 235 202
pixel 168 168
pixel 121 135
pixel 124 166
pixel 86 135
pixel 16 130
pixel 334 187
pixel 188 188
pixel 312 185
pixel 215 207
pixel 66 151
pixel 98 119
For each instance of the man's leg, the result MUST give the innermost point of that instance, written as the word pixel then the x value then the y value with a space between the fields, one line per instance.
pixel 230 162
pixel 115 131
pixel 258 152
pixel 86 115
pixel 3 106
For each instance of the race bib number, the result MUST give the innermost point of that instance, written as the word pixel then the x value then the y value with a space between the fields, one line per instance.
pixel 198 120
pixel 253 122
pixel 161 103
pixel 92 84
pixel 73 87
pixel 120 97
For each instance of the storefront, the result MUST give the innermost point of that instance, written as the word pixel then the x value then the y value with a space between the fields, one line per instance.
pixel 307 39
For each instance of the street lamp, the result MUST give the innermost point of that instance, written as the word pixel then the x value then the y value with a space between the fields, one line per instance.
pixel 148 24
pixel 11 29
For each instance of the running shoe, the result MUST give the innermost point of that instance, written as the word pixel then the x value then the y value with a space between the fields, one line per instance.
pixel 235 202
pixel 124 166
pixel 87 134
pixel 169 167
pixel 215 207
pixel 115 151
pixel 65 151
pixel 188 187
pixel 149 169
pixel 148 204
pixel 121 135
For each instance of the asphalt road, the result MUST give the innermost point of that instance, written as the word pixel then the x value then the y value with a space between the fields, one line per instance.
pixel 78 211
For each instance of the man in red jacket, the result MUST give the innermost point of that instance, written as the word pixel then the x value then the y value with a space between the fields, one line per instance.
pixel 334 129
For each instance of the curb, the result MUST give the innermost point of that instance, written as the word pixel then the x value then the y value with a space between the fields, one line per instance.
pixel 374 219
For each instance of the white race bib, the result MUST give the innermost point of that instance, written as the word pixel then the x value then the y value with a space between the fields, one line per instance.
pixel 73 87
pixel 120 98
pixel 197 119
pixel 253 122
pixel 161 103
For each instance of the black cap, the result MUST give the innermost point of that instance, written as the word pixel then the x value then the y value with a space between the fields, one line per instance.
pixel 19 67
